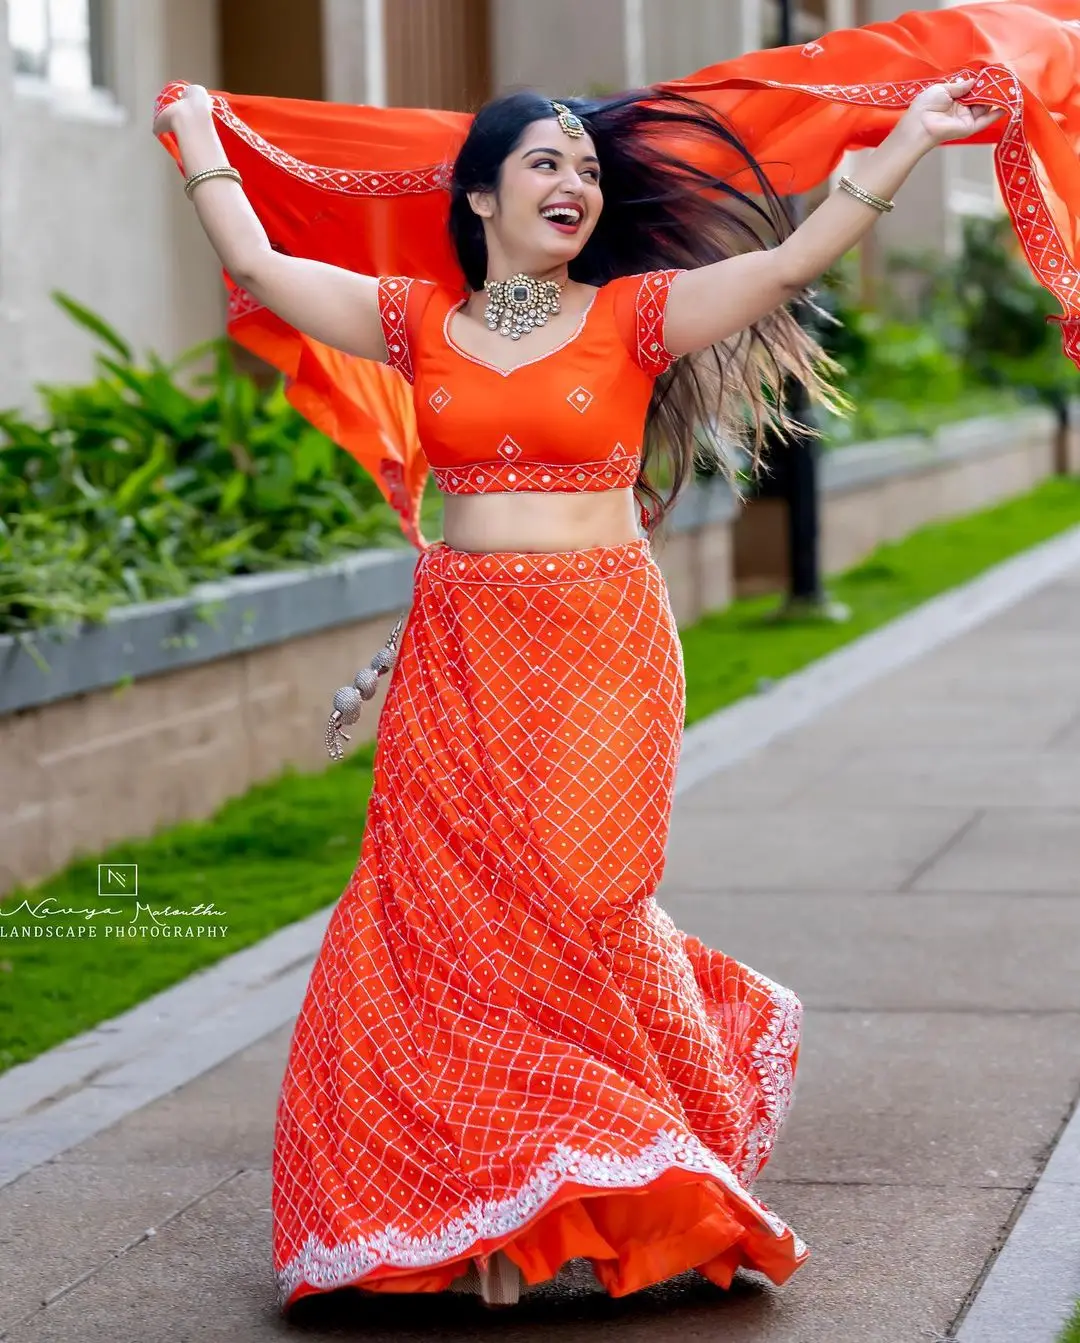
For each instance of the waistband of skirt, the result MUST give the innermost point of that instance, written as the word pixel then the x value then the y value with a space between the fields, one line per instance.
pixel 534 568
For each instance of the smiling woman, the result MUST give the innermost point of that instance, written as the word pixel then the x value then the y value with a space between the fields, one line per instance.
pixel 508 1056
pixel 550 1045
pixel 575 201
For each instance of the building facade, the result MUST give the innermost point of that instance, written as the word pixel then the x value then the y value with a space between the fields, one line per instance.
pixel 89 204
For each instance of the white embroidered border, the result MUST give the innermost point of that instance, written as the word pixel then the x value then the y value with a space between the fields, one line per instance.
pixel 494 472
pixel 650 306
pixel 773 1058
pixel 327 1267
pixel 394 293
pixel 998 86
pixel 1039 237
pixel 506 372
pixel 242 304
pixel 347 181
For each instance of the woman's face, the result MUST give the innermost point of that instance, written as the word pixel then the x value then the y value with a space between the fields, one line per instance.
pixel 547 202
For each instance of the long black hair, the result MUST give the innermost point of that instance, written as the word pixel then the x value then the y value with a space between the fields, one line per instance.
pixel 662 211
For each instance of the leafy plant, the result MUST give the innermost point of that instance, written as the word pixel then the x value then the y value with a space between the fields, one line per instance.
pixel 951 362
pixel 986 305
pixel 135 486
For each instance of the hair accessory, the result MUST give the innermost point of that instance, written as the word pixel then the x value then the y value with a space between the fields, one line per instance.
pixel 195 178
pixel 350 698
pixel 867 197
pixel 569 123
pixel 517 305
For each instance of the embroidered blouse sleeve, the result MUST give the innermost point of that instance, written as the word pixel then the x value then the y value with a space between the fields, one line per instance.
pixel 402 301
pixel 640 305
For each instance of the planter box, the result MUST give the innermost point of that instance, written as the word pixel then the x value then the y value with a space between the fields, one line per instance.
pixel 166 710
pixel 156 717
pixel 696 550
pixel 215 620
pixel 881 491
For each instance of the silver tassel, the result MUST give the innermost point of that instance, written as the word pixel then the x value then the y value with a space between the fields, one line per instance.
pixel 349 700
pixel 366 682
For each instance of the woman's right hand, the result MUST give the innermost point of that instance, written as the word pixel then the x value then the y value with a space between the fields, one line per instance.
pixel 334 306
pixel 193 101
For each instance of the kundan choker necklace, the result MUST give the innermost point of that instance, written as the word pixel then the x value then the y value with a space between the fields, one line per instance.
pixel 517 305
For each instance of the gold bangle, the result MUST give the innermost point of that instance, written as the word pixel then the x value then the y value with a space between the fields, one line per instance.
pixel 867 197
pixel 195 178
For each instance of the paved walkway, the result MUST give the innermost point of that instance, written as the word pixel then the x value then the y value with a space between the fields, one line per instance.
pixel 908 862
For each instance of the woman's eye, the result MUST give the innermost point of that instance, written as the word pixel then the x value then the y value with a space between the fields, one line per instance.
pixel 593 173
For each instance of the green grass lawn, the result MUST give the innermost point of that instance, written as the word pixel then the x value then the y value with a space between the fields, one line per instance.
pixel 1072 1329
pixel 287 848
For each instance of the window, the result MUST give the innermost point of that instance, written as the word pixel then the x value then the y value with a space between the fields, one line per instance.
pixel 58 42
pixel 807 21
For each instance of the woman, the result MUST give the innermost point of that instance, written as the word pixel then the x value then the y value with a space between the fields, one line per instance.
pixel 508 1056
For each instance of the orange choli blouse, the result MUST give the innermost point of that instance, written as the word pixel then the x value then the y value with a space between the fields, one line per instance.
pixel 568 420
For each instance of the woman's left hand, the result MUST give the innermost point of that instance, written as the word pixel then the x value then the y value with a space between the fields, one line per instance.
pixel 937 116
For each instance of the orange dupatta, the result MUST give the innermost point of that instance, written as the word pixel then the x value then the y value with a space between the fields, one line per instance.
pixel 365 187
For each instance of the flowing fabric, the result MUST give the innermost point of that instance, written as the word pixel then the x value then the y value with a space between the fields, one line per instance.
pixel 365 187
pixel 506 1044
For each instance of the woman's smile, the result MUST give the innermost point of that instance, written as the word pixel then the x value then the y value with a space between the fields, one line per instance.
pixel 566 216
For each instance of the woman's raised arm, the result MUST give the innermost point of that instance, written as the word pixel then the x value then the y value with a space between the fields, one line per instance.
pixel 328 303
pixel 714 302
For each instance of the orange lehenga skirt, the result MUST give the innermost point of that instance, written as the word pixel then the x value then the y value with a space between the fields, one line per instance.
pixel 506 1045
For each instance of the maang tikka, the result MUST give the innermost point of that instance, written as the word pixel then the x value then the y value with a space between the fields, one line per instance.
pixel 569 122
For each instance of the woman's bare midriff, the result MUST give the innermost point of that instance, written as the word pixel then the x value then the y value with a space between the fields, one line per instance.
pixel 540 522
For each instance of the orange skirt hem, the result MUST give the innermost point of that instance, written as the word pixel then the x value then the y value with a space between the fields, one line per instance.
pixel 633 1239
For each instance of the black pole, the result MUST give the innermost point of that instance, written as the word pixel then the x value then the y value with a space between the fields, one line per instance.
pixel 799 466
pixel 801 489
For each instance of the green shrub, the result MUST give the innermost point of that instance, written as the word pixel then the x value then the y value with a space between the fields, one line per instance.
pixel 902 376
pixel 988 307
pixel 977 342
pixel 133 487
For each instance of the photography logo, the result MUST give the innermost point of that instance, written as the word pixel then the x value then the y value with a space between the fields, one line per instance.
pixel 131 919
pixel 117 879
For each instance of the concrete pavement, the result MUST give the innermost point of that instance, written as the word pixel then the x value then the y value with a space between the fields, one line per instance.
pixel 908 861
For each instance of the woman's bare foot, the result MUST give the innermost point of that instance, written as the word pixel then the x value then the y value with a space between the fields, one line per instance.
pixel 499 1283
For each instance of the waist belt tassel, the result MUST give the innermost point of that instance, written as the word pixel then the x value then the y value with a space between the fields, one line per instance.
pixel 350 698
